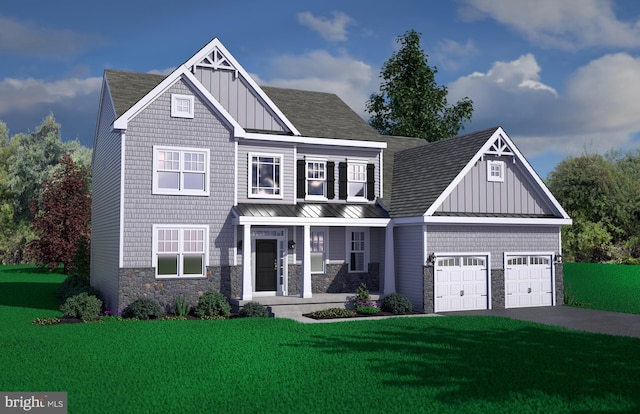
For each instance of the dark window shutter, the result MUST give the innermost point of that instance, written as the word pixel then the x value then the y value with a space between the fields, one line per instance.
pixel 301 179
pixel 342 178
pixel 331 180
pixel 371 181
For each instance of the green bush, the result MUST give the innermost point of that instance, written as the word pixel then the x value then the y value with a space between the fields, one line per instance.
pixel 182 307
pixel 254 310
pixel 213 304
pixel 396 303
pixel 74 285
pixel 84 306
pixel 368 310
pixel 143 308
pixel 333 313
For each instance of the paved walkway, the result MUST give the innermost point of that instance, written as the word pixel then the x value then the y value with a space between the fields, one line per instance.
pixel 590 320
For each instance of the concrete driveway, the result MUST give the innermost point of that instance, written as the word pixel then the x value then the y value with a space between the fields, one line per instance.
pixel 590 320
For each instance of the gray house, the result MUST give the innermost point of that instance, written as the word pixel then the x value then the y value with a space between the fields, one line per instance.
pixel 203 180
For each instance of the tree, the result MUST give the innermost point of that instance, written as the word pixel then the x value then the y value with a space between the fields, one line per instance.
pixel 410 102
pixel 62 215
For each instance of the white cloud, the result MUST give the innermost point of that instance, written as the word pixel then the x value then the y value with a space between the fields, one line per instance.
pixel 333 30
pixel 349 78
pixel 597 111
pixel 23 94
pixel 566 24
pixel 27 38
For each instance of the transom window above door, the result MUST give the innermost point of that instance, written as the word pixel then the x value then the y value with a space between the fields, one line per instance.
pixel 180 171
pixel 265 176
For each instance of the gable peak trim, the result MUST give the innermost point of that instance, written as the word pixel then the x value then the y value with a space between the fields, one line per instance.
pixel 500 146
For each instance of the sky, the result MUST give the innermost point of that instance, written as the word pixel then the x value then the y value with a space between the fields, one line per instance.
pixel 562 77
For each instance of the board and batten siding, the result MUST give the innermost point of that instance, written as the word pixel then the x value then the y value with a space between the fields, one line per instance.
pixel 343 154
pixel 142 209
pixel 239 99
pixel 409 266
pixel 495 239
pixel 105 206
pixel 517 194
pixel 287 171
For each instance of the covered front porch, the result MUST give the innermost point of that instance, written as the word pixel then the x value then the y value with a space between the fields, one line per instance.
pixel 305 249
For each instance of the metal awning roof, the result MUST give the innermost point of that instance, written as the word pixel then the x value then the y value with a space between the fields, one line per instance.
pixel 312 213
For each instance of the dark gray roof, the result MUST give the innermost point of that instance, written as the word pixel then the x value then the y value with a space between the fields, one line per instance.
pixel 422 173
pixel 127 88
pixel 312 210
pixel 394 144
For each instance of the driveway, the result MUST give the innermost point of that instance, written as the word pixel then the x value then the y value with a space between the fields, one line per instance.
pixel 590 320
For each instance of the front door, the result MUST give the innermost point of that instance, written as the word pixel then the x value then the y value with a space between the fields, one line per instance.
pixel 266 265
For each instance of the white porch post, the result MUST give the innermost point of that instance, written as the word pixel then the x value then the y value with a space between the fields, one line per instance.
pixel 247 288
pixel 389 262
pixel 306 262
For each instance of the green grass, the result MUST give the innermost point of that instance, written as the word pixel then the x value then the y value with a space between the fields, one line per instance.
pixel 400 365
pixel 609 287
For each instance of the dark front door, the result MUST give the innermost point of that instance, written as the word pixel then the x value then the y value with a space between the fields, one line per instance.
pixel 266 265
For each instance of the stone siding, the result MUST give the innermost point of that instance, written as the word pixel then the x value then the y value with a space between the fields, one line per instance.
pixel 141 282
pixel 497 289
pixel 559 269
pixel 428 289
pixel 336 279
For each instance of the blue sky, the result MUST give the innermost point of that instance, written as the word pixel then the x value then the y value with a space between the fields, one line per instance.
pixel 562 77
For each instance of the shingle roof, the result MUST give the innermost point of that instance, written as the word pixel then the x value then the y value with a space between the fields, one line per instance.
pixel 394 144
pixel 438 164
pixel 127 88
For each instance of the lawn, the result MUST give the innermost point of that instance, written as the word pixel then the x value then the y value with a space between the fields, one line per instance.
pixel 399 365
pixel 603 286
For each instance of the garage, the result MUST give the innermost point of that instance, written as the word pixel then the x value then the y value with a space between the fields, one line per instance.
pixel 528 280
pixel 461 283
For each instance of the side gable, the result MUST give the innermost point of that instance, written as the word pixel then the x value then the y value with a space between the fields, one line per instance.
pixel 461 183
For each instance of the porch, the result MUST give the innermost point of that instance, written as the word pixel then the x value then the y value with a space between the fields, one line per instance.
pixel 295 306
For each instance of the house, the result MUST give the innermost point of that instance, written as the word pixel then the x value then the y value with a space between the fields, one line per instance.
pixel 203 180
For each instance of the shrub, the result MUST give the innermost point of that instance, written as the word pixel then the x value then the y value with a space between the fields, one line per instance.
pixel 396 303
pixel 213 304
pixel 143 308
pixel 74 285
pixel 368 309
pixel 362 293
pixel 254 310
pixel 46 321
pixel 84 306
pixel 333 313
pixel 182 307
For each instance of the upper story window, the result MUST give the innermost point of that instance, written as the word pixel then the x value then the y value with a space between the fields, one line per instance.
pixel 181 171
pixel 182 106
pixel 265 176
pixel 180 251
pixel 315 179
pixel 357 181
pixel 495 171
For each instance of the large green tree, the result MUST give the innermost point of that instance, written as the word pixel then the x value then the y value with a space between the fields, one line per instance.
pixel 410 102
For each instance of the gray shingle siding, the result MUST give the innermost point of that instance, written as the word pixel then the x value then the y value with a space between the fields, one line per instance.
pixel 154 126
pixel 105 212
pixel 493 239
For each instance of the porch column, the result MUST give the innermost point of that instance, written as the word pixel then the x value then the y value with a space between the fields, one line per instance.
pixel 389 261
pixel 247 288
pixel 306 262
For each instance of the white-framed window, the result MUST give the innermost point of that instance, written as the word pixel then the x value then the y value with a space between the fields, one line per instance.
pixel 495 171
pixel 181 171
pixel 357 249
pixel 316 179
pixel 265 176
pixel 318 246
pixel 180 250
pixel 182 106
pixel 356 180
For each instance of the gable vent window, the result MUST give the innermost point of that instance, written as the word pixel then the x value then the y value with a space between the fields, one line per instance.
pixel 495 171
pixel 182 106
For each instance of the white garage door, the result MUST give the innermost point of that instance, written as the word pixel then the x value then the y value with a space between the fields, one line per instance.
pixel 461 283
pixel 528 281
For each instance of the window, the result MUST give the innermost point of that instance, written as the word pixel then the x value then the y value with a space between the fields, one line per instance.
pixel 317 251
pixel 180 251
pixel 357 251
pixel 180 171
pixel 316 179
pixel 356 180
pixel 495 171
pixel 182 106
pixel 264 180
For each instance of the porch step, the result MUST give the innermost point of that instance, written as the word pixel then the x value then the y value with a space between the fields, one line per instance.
pixel 294 306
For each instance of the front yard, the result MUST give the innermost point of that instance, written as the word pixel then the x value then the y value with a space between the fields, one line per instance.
pixel 435 364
